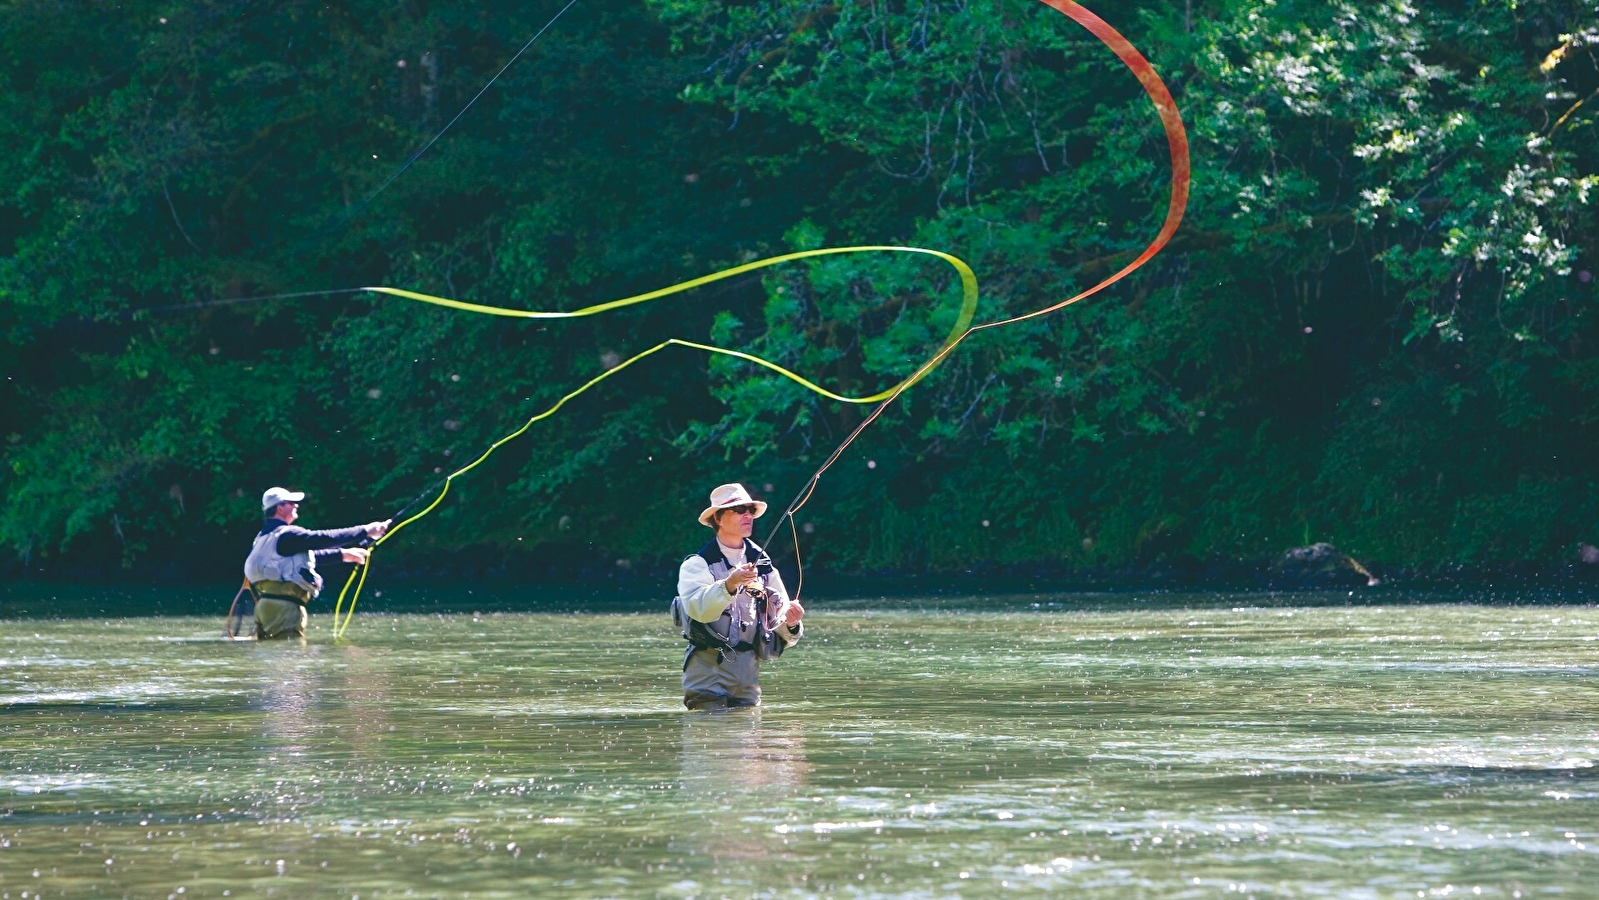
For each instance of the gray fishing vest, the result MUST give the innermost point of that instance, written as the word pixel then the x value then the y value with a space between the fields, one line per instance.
pixel 265 564
pixel 731 633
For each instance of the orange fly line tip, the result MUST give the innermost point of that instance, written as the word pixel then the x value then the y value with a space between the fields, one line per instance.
pixel 1177 142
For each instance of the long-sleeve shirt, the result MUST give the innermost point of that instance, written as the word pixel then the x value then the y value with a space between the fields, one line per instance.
pixel 293 539
pixel 705 597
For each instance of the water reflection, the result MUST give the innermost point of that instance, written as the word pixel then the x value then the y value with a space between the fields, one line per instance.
pixel 730 754
pixel 744 767
pixel 364 696
pixel 288 695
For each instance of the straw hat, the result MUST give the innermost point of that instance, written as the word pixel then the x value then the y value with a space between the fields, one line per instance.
pixel 729 495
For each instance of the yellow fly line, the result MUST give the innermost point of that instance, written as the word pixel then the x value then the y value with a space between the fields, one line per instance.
pixel 963 320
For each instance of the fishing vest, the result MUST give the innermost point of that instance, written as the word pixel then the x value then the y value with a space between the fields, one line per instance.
pixel 278 577
pixel 727 635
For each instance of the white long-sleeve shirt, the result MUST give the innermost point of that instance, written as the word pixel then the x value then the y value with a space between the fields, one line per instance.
pixel 704 597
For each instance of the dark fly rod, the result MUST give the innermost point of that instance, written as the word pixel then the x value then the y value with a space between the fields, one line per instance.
pixel 400 516
pixel 426 492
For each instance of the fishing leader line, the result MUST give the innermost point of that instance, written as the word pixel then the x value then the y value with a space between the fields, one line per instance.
pixel 352 213
pixel 1177 143
pixel 349 214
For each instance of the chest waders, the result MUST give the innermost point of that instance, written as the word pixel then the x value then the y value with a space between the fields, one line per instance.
pixel 282 587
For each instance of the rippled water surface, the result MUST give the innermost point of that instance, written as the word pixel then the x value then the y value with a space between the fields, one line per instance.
pixel 1402 751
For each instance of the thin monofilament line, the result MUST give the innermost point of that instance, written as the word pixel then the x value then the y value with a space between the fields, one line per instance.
pixel 435 139
pixel 229 301
pixel 206 304
pixel 350 214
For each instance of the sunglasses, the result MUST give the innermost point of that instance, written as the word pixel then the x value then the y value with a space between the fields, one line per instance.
pixel 742 509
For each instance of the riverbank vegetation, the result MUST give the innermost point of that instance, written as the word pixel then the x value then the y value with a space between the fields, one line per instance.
pixel 1376 326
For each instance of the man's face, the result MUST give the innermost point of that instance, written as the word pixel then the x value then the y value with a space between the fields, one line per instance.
pixel 735 524
pixel 288 512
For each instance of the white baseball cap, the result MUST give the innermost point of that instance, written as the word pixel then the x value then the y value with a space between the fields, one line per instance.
pixel 274 496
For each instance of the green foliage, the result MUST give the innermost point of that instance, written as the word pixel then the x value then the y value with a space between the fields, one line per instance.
pixel 1373 327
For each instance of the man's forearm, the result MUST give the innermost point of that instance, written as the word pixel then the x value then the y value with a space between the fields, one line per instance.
pixel 703 597
pixel 292 539
pixel 704 603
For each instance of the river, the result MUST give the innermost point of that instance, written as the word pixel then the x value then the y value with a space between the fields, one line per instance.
pixel 1207 746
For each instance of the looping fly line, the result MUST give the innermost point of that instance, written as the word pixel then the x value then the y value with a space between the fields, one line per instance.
pixel 968 310
pixel 1177 142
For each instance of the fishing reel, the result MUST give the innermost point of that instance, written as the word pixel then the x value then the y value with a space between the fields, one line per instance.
pixel 756 587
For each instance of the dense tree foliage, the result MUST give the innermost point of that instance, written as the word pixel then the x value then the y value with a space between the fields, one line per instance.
pixel 1376 327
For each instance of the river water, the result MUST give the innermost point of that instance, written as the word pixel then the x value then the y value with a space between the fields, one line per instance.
pixel 1206 747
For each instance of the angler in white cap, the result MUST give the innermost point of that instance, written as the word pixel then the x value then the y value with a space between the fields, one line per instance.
pixel 281 568
pixel 731 607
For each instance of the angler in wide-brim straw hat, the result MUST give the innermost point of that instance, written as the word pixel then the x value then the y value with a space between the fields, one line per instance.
pixel 731 607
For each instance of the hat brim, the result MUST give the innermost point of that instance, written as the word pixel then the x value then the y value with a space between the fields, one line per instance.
pixel 290 497
pixel 710 511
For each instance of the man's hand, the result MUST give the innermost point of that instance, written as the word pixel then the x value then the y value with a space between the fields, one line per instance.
pixel 355 555
pixel 377 529
pixel 792 613
pixel 739 577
